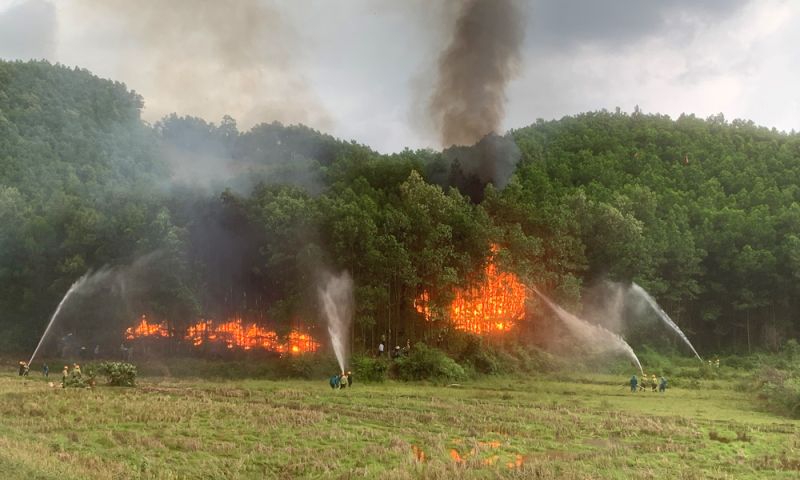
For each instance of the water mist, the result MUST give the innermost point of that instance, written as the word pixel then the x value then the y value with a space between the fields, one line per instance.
pixel 75 286
pixel 642 293
pixel 336 299
pixel 590 333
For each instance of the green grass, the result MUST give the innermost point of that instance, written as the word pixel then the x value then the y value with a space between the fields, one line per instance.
pixel 586 427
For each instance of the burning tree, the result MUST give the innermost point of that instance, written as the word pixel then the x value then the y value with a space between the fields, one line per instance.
pixel 494 305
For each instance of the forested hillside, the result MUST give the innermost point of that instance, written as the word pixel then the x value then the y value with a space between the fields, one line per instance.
pixel 702 213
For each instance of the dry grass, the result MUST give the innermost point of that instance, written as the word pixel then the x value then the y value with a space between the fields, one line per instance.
pixel 503 428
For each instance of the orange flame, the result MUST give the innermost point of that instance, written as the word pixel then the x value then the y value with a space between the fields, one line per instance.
pixel 146 329
pixel 233 334
pixel 494 305
pixel 455 456
pixel 517 463
pixel 419 454
pixel 302 342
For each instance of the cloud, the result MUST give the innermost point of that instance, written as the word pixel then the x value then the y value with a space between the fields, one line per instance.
pixel 565 24
pixel 364 69
pixel 731 60
pixel 27 30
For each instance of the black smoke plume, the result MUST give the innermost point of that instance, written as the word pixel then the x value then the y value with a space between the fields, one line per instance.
pixel 468 101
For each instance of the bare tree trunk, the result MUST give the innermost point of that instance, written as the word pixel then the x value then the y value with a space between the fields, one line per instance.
pixel 747 313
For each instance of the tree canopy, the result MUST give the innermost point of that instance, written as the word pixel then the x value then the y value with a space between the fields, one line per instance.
pixel 703 213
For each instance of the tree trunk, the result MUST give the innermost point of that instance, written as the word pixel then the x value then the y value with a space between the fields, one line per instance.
pixel 747 314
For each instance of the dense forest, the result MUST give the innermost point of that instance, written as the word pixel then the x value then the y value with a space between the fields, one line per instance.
pixel 704 213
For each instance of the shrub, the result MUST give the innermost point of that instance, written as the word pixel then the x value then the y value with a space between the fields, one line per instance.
pixel 370 369
pixel 791 349
pixel 703 372
pixel 778 390
pixel 306 366
pixel 118 374
pixel 424 362
pixel 299 367
pixel 653 360
pixel 740 362
pixel 78 381
pixel 482 360
pixel 531 360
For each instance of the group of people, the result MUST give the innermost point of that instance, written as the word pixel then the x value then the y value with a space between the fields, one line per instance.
pixel 65 374
pixel 342 380
pixel 397 352
pixel 652 382
pixel 25 368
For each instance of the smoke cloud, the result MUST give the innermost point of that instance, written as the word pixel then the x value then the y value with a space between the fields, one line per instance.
pixel 208 58
pixel 468 101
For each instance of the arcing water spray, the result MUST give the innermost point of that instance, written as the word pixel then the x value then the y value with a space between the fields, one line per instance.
pixel 75 286
pixel 590 333
pixel 336 299
pixel 663 315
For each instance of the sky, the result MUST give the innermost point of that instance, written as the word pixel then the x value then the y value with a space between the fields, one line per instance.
pixel 364 70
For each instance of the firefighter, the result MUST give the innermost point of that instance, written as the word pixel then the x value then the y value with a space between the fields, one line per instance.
pixel 653 382
pixel 349 378
pixel 64 375
pixel 21 368
pixel 662 386
pixel 343 382
pixel 634 382
pixel 76 371
pixel 642 384
pixel 45 370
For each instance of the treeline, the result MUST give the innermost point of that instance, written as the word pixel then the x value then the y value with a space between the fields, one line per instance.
pixel 702 213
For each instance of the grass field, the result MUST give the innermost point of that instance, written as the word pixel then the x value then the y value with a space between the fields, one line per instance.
pixel 586 427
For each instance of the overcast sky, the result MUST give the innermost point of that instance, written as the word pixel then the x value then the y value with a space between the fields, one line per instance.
pixel 362 69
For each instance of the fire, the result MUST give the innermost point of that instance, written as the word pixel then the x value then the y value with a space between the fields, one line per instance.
pixel 494 305
pixel 419 454
pixel 455 456
pixel 302 343
pixel 234 334
pixel 422 305
pixel 146 329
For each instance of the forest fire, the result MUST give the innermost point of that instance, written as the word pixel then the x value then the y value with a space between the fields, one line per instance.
pixel 147 329
pixel 234 334
pixel 494 305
